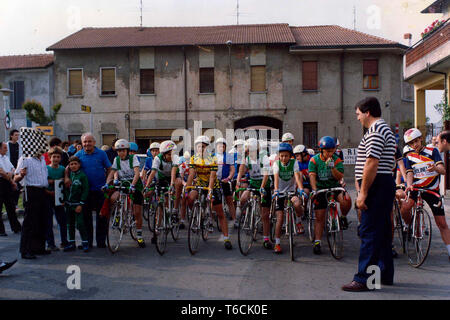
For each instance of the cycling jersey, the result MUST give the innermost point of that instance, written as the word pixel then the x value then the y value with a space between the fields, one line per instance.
pixel 224 161
pixel 418 163
pixel 256 171
pixel 163 167
pixel 203 167
pixel 303 166
pixel 325 179
pixel 286 181
pixel 125 169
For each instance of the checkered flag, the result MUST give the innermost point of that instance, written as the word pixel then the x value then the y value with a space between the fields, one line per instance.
pixel 33 142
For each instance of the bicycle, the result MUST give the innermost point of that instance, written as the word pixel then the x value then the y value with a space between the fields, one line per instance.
pixel 250 220
pixel 289 213
pixel 226 210
pixel 400 231
pixel 419 230
pixel 201 222
pixel 309 216
pixel 164 220
pixel 333 228
pixel 148 211
pixel 122 219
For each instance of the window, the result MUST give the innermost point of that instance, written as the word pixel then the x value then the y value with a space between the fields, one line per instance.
pixel 147 81
pixel 107 139
pixel 17 98
pixel 258 78
pixel 309 75
pixel 75 82
pixel 310 135
pixel 73 137
pixel 206 80
pixel 108 79
pixel 370 74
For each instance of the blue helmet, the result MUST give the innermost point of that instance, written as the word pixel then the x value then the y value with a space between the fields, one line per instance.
pixel 133 146
pixel 285 147
pixel 327 142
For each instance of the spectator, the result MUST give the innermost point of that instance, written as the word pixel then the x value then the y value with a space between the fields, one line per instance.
pixel 373 173
pixel 112 153
pixel 55 172
pixel 7 186
pixel 443 141
pixel 65 146
pixel 105 147
pixel 34 173
pixel 14 152
pixel 56 142
pixel 73 148
pixel 96 166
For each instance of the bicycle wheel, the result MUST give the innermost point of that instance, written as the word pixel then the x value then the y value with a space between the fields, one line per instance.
pixel 175 226
pixel 145 208
pixel 246 229
pixel 290 226
pixel 115 229
pixel 257 223
pixel 151 216
pixel 311 222
pixel 418 240
pixel 160 229
pixel 132 224
pixel 206 223
pixel 335 236
pixel 399 234
pixel 216 218
pixel 194 229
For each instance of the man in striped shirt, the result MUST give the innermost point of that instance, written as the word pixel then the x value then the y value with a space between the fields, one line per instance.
pixel 373 171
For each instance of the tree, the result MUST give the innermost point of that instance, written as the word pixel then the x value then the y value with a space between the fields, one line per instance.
pixel 36 113
pixel 443 108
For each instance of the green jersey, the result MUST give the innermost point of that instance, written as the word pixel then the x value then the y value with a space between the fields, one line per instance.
pixel 325 179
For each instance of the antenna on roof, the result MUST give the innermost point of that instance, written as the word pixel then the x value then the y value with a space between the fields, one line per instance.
pixel 141 13
pixel 237 10
pixel 354 17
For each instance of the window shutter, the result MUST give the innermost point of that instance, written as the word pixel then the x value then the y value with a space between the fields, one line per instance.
pixel 206 80
pixel 11 97
pixel 309 75
pixel 147 81
pixel 108 81
pixel 75 82
pixel 19 88
pixel 370 67
pixel 258 80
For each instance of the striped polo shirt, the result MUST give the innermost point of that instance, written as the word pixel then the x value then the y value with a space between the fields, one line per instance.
pixel 378 142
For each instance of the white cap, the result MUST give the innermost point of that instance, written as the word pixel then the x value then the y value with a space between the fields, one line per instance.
pixel 238 142
pixel 221 140
pixel 202 139
pixel 287 137
pixel 154 145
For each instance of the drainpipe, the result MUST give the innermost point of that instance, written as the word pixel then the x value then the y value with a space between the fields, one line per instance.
pixel 185 90
pixel 342 86
pixel 445 82
pixel 229 43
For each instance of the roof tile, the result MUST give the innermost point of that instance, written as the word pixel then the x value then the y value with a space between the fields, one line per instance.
pixel 26 61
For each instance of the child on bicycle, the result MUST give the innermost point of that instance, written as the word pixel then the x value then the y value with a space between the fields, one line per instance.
pixel 326 170
pixel 225 173
pixel 258 171
pixel 205 166
pixel 287 178
pixel 76 197
pixel 125 168
pixel 424 166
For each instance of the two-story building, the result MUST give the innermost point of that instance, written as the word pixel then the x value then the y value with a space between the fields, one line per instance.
pixel 31 78
pixel 142 83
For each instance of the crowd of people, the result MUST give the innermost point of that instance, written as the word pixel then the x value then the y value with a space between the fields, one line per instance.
pixel 69 183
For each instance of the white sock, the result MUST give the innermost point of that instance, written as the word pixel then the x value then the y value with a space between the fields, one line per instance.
pixel 277 241
pixel 448 249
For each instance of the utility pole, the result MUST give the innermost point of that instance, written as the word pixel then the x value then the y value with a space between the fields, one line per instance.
pixel 141 13
pixel 354 17
pixel 237 10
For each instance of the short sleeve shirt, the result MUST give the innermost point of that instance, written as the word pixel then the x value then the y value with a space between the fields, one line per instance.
pixel 325 179
pixel 203 167
pixel 418 163
pixel 286 181
pixel 164 168
pixel 125 172
pixel 94 165
pixel 55 174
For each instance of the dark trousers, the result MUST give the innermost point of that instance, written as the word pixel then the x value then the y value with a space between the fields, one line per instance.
pixel 75 219
pixel 61 219
pixel 375 230
pixel 95 203
pixel 34 224
pixel 6 193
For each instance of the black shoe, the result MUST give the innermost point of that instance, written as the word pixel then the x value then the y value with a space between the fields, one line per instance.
pixel 28 256
pixel 316 248
pixel 141 243
pixel 344 223
pixel 228 245
pixel 7 265
pixel 182 226
pixel 267 244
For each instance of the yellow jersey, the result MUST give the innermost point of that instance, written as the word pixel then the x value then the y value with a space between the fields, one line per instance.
pixel 203 168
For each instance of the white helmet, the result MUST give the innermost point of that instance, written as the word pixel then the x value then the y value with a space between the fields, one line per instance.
pixel 221 140
pixel 202 139
pixel 154 145
pixel 407 149
pixel 122 144
pixel 251 143
pixel 411 134
pixel 299 149
pixel 310 151
pixel 167 146
pixel 238 142
pixel 187 155
pixel 287 137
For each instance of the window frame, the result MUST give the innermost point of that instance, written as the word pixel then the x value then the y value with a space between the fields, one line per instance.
pixel 371 77
pixel 317 76
pixel 140 82
pixel 68 82
pixel 101 83
pixel 265 79
pixel 200 81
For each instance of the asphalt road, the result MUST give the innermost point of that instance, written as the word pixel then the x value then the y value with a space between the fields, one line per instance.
pixel 214 273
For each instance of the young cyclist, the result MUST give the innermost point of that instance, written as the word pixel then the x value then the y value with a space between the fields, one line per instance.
pixel 205 166
pixel 183 168
pixel 225 173
pixel 326 169
pixel 288 138
pixel 152 152
pixel 423 169
pixel 287 178
pixel 126 168
pixel 258 171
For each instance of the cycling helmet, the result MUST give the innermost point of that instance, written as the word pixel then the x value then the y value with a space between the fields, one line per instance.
pixel 263 144
pixel 221 140
pixel 412 134
pixel 133 146
pixel 407 149
pixel 311 152
pixel 285 147
pixel 202 139
pixel 122 144
pixel 167 146
pixel 238 142
pixel 251 143
pixel 154 145
pixel 327 142
pixel 287 137
pixel 299 149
